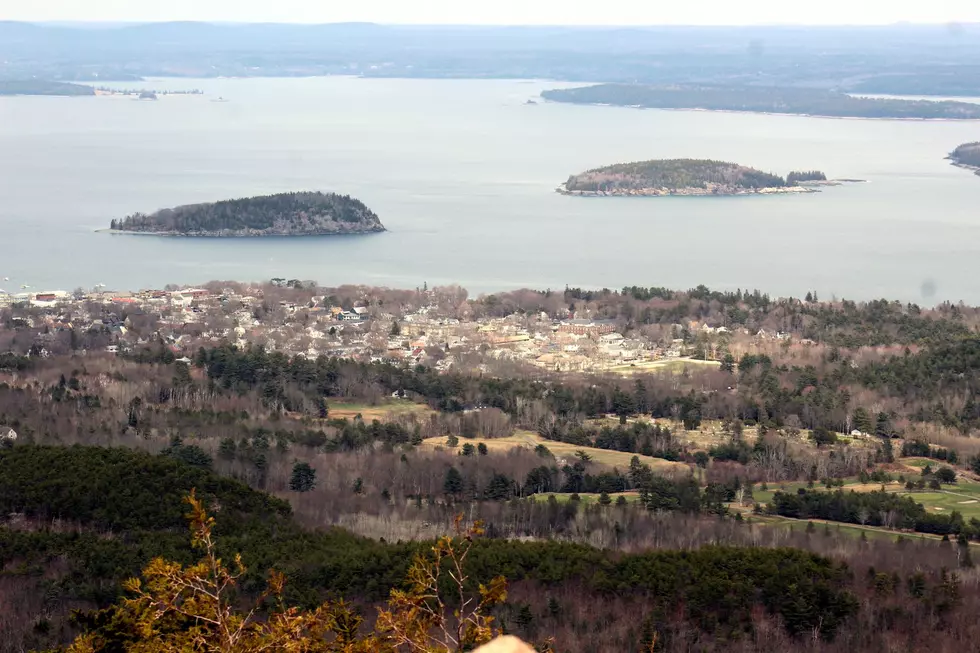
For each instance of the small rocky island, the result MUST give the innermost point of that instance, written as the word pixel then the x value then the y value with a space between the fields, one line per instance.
pixel 967 156
pixel 285 214
pixel 692 177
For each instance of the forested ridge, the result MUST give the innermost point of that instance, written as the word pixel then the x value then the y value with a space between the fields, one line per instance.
pixel 307 213
pixel 765 99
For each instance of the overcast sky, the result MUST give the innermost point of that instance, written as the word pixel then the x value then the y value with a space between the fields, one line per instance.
pixel 500 12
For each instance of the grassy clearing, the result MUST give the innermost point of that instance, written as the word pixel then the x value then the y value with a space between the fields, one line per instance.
pixel 853 530
pixel 963 496
pixel 919 463
pixel 562 450
pixel 947 500
pixel 379 412
pixel 673 366
pixel 587 498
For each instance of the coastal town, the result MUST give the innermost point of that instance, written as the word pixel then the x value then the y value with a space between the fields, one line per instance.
pixel 439 328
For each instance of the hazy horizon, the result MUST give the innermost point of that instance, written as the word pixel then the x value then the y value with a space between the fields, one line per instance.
pixel 502 13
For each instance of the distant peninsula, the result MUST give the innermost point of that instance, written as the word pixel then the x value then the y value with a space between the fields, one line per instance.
pixel 967 156
pixel 691 177
pixel 285 214
pixel 37 87
pixel 764 99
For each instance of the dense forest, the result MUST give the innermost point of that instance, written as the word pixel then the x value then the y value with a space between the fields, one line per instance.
pixel 672 174
pixel 763 99
pixel 38 87
pixel 285 214
pixel 967 155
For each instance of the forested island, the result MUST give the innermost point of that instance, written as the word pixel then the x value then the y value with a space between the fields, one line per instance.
pixel 688 177
pixel 36 87
pixel 967 156
pixel 762 99
pixel 284 214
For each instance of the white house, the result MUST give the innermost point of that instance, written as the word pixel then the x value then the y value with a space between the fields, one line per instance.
pixel 7 435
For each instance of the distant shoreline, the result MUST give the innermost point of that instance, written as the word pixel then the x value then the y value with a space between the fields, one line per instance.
pixel 761 113
pixel 965 166
pixel 802 188
pixel 684 192
pixel 171 234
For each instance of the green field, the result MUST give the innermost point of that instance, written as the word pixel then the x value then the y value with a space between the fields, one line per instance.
pixel 819 528
pixel 963 496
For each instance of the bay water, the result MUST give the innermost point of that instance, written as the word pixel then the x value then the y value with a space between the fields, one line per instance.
pixel 463 173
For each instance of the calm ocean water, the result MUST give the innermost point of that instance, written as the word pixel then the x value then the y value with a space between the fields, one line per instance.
pixel 462 173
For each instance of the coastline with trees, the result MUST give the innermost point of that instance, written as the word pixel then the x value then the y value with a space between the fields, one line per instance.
pixel 39 87
pixel 763 99
pixel 967 156
pixel 688 177
pixel 284 214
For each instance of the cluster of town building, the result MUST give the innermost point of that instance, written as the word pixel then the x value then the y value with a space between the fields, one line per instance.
pixel 311 325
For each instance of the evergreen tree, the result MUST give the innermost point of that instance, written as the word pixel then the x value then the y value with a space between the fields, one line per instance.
pixel 453 483
pixel 227 449
pixel 728 363
pixel 861 420
pixel 500 488
pixel 303 478
pixel 883 427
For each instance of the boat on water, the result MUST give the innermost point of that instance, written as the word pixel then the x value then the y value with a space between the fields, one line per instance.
pixel 219 99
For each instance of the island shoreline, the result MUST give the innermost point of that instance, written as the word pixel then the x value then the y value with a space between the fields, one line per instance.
pixel 172 234
pixel 966 166
pixel 759 113
pixel 800 189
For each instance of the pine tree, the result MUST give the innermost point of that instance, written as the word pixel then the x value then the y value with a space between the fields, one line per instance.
pixel 453 483
pixel 303 478
pixel 227 449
